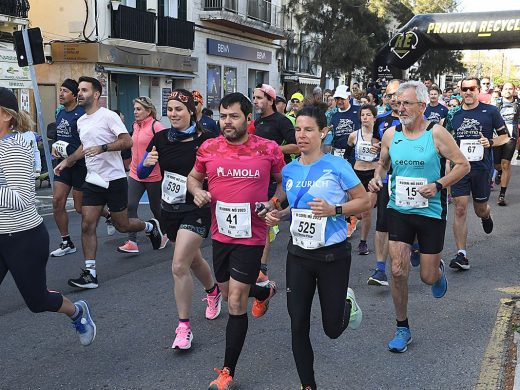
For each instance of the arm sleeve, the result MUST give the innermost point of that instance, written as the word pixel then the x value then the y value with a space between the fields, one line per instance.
pixel 142 171
pixel 16 191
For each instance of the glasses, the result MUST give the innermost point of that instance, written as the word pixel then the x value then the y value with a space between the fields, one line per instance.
pixel 390 95
pixel 295 101
pixel 485 83
pixel 179 95
pixel 406 104
pixel 453 105
pixel 473 88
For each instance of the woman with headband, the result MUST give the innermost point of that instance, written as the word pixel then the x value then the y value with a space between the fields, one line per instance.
pixel 20 224
pixel 185 224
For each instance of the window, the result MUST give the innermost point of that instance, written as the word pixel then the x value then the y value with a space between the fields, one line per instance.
pixel 140 5
pixel 182 12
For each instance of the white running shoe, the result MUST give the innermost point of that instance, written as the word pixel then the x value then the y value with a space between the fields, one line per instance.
pixel 66 248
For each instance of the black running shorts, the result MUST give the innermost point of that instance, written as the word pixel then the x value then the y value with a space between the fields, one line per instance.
pixel 115 196
pixel 504 152
pixel 476 182
pixel 240 262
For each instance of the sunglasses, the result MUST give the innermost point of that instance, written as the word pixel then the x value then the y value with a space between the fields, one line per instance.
pixel 453 105
pixel 179 95
pixel 295 101
pixel 485 83
pixel 473 88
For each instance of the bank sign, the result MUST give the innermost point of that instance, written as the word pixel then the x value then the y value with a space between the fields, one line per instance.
pixel 232 50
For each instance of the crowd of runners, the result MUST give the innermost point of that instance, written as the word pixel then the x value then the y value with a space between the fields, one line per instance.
pixel 324 163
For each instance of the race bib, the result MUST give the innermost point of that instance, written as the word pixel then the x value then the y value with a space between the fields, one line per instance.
pixel 61 148
pixel 364 153
pixel 407 194
pixel 338 152
pixel 307 231
pixel 472 149
pixel 174 188
pixel 234 219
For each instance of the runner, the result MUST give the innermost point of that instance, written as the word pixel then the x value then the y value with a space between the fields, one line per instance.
pixel 416 149
pixel 205 121
pixel 185 224
pixel 145 127
pixel 473 127
pixel 296 105
pixel 435 112
pixel 384 122
pixel 281 104
pixel 67 142
pixel 278 128
pixel 238 167
pixel 362 141
pixel 485 91
pixel 508 107
pixel 103 136
pixel 322 189
pixel 24 240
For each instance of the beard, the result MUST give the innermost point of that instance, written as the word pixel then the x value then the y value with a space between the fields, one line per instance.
pixel 86 102
pixel 408 120
pixel 236 134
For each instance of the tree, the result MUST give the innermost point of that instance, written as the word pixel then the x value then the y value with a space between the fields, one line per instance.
pixel 346 33
pixel 436 62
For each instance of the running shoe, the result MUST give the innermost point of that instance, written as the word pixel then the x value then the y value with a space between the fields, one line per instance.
pixel 111 230
pixel 363 248
pixel 487 224
pixel 378 278
pixel 400 342
pixel 356 315
pixel 164 241
pixel 155 235
pixel 128 247
pixel 260 307
pixel 84 324
pixel 214 303
pixel 224 380
pixel 502 200
pixel 262 280
pixel 460 262
pixel 66 248
pixel 440 287
pixel 498 179
pixel 184 337
pixel 415 256
pixel 305 388
pixel 85 280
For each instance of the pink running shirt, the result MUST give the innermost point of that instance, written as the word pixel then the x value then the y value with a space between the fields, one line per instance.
pixel 239 174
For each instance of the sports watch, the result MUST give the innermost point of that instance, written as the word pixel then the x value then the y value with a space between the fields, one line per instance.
pixel 339 209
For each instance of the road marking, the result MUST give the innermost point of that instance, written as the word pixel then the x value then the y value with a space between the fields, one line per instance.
pixel 491 367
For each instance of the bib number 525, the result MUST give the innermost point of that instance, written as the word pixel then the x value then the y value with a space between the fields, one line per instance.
pixel 306 227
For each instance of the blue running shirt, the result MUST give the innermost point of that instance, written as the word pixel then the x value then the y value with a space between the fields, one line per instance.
pixel 435 114
pixel 328 178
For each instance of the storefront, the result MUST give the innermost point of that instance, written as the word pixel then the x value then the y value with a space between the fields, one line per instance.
pixel 125 73
pixel 232 67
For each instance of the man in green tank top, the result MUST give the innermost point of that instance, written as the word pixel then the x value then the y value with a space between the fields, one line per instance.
pixel 416 150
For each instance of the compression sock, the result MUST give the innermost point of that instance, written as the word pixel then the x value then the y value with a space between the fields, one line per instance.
pixel 236 331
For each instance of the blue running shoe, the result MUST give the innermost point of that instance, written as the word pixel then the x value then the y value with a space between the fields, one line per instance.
pixel 440 287
pixel 84 324
pixel 400 342
pixel 415 257
pixel 378 278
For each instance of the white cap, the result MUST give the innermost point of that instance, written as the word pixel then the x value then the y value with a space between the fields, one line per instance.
pixel 342 92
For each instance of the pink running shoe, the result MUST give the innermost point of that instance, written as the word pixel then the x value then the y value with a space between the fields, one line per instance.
pixel 214 305
pixel 165 240
pixel 183 338
pixel 128 247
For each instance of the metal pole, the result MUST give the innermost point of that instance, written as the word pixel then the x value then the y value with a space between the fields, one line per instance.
pixel 38 101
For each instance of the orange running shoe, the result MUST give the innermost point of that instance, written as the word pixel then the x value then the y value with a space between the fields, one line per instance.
pixel 260 307
pixel 223 382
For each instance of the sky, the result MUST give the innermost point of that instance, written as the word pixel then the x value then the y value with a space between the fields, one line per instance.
pixel 487 6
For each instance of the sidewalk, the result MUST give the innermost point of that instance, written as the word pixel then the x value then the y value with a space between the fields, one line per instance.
pixel 44 199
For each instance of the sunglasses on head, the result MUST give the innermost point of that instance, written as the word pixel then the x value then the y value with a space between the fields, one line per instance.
pixel 179 95
pixel 473 88
pixel 295 100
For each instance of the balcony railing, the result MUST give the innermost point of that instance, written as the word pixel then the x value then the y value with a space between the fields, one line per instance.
pixel 17 8
pixel 221 5
pixel 175 32
pixel 266 12
pixel 133 24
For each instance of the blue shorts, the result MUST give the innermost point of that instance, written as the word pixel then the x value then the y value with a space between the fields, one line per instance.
pixel 476 182
pixel 73 176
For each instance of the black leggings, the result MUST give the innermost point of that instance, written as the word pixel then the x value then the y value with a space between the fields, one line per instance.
pixel 303 274
pixel 25 255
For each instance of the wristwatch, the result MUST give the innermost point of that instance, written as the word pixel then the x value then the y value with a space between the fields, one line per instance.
pixel 438 186
pixel 104 148
pixel 339 209
pixel 491 142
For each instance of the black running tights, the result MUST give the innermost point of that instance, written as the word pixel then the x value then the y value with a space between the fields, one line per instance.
pixel 25 255
pixel 303 274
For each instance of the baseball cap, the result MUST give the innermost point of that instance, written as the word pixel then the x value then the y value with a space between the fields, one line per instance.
pixel 342 92
pixel 8 100
pixel 268 90
pixel 298 96
pixel 280 99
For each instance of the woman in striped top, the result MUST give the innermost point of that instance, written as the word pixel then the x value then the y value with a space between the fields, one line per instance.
pixel 20 224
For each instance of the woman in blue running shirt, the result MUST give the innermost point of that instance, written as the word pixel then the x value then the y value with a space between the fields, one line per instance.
pixel 318 186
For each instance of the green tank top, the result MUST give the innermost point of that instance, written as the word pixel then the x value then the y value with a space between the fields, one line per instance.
pixel 415 162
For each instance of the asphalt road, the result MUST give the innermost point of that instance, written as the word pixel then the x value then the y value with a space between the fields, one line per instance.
pixel 135 314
